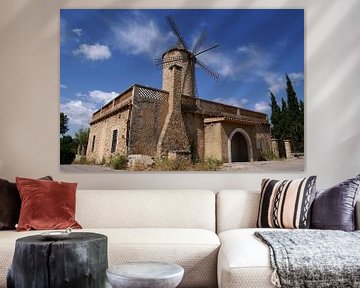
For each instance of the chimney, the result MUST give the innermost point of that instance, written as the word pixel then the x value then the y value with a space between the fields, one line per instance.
pixel 173 137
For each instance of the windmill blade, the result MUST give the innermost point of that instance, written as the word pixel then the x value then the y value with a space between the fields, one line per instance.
pixel 176 30
pixel 200 41
pixel 207 50
pixel 208 70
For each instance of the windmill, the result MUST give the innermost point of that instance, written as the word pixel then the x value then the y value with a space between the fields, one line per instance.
pixel 181 55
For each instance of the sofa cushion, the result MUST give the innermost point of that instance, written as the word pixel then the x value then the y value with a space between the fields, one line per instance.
pixel 153 209
pixel 286 204
pixel 46 204
pixel 244 261
pixel 10 204
pixel 334 208
pixel 236 209
pixel 196 250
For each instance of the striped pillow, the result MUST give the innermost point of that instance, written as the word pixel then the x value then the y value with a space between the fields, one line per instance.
pixel 286 204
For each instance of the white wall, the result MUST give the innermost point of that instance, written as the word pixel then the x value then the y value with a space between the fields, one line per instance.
pixel 29 94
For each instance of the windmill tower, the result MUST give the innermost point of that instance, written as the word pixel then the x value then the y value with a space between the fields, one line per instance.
pixel 181 55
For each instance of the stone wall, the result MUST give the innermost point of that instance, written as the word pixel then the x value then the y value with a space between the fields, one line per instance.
pixel 194 125
pixel 103 131
pixel 213 134
pixel 263 138
pixel 148 114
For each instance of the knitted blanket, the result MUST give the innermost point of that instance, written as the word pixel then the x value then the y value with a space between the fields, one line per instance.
pixel 313 258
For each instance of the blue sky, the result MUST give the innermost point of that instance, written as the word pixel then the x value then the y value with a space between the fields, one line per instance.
pixel 104 52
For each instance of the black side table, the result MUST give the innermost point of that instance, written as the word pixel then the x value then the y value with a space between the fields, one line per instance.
pixel 79 261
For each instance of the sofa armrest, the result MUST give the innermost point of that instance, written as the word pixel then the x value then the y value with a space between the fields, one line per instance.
pixel 357 215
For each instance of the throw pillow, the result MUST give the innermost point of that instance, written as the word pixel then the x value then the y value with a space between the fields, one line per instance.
pixel 286 204
pixel 46 204
pixel 10 203
pixel 334 208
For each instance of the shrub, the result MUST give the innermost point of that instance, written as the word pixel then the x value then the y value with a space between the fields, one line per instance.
pixel 82 160
pixel 209 164
pixel 118 162
pixel 268 156
pixel 164 164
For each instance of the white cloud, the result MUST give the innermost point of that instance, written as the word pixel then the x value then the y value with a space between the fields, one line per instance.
pixel 277 82
pixel 141 35
pixel 77 31
pixel 79 112
pixel 93 52
pixel 253 60
pixel 262 107
pixel 232 101
pixel 101 96
pixel 63 86
pixel 248 62
pixel 220 63
pixel 250 50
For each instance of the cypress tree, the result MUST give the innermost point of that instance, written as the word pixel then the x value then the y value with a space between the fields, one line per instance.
pixel 275 116
pixel 288 120
pixel 295 117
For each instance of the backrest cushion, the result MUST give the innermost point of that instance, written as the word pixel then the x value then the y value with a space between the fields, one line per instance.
pixel 46 204
pixel 236 209
pixel 10 204
pixel 334 208
pixel 146 209
pixel 286 204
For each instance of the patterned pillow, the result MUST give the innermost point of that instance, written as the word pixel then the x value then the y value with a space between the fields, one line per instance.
pixel 286 204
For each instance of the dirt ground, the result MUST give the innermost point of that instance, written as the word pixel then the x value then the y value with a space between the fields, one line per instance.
pixel 295 164
pixel 256 166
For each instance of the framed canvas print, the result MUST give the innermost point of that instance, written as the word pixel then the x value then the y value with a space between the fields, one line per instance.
pixel 181 90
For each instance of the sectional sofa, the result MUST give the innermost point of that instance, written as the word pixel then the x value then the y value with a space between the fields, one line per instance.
pixel 209 234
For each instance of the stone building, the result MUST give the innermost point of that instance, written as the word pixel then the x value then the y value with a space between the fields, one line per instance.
pixel 172 122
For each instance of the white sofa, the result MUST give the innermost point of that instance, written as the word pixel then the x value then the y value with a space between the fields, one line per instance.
pixel 243 261
pixel 175 226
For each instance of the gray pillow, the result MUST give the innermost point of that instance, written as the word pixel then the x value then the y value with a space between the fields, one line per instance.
pixel 334 208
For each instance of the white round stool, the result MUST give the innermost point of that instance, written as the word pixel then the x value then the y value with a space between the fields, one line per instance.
pixel 145 275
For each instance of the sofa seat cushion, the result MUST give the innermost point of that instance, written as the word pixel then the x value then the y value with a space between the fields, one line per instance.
pixel 196 250
pixel 244 261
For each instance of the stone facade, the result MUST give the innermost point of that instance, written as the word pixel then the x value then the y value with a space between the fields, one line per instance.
pixel 149 110
pixel 112 117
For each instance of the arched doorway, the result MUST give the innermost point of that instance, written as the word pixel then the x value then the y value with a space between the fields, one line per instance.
pixel 239 152
pixel 239 146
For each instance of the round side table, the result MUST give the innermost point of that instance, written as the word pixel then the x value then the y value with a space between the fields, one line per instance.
pixel 145 275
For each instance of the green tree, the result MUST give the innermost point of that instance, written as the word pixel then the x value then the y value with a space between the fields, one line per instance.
pixel 287 121
pixel 275 116
pixel 67 149
pixel 296 117
pixel 63 123
pixel 81 140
